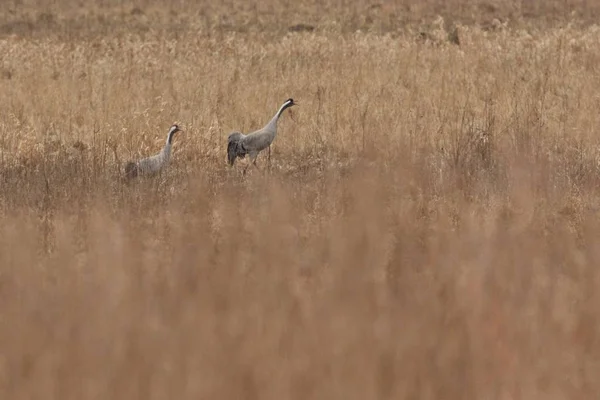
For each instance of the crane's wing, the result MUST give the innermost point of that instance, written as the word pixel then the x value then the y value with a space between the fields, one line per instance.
pixel 257 141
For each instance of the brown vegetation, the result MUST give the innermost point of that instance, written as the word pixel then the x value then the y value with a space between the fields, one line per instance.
pixel 427 227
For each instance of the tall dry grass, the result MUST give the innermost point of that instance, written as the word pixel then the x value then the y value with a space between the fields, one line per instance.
pixel 427 227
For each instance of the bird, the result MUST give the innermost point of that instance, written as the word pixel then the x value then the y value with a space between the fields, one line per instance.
pixel 152 165
pixel 238 144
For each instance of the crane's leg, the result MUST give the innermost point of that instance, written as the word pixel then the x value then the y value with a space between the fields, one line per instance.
pixel 251 161
pixel 247 166
pixel 269 159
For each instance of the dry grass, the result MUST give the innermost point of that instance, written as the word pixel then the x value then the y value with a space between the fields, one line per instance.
pixel 427 227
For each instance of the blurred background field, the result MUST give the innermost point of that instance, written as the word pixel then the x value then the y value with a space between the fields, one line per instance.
pixel 427 227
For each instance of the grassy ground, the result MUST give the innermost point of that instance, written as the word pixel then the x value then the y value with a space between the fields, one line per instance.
pixel 427 227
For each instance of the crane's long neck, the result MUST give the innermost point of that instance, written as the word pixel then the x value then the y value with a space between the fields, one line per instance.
pixel 272 125
pixel 170 137
pixel 166 151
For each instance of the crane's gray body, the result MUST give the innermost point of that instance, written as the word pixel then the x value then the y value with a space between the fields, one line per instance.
pixel 154 164
pixel 238 144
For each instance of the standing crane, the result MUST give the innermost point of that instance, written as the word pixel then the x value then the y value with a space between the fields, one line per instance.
pixel 238 144
pixel 152 165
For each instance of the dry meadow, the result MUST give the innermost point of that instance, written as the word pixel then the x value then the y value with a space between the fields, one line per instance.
pixel 427 227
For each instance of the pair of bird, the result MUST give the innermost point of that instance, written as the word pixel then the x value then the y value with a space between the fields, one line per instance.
pixel 238 146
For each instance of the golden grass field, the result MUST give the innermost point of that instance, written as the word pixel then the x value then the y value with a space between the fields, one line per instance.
pixel 428 227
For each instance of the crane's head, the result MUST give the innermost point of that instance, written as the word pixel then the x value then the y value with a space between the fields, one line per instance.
pixel 174 129
pixel 289 103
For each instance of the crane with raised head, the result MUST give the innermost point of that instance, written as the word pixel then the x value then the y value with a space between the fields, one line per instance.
pixel 153 164
pixel 238 144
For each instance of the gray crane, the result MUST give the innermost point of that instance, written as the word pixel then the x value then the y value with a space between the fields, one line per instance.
pixel 152 165
pixel 238 144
